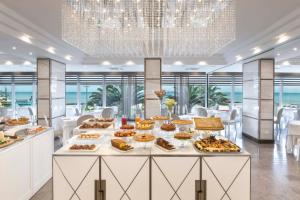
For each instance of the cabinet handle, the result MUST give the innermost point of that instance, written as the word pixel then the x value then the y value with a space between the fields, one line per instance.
pixel 100 189
pixel 200 189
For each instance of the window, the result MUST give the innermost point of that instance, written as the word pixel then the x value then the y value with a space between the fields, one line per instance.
pixel 5 96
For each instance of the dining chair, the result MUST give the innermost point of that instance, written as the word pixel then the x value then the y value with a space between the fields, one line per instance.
pixel 77 112
pixel 32 116
pixel 297 114
pixel 83 118
pixel 107 113
pixel 46 121
pixel 231 121
pixel 201 111
pixel 277 122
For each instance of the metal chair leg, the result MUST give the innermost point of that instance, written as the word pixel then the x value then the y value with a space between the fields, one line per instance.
pixel 235 132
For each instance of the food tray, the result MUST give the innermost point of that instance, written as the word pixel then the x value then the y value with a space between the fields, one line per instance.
pixel 222 152
pixel 71 150
pixel 121 151
pixel 9 142
pixel 163 149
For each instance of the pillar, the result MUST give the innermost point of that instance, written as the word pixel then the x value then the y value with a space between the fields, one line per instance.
pixel 258 100
pixel 152 70
pixel 51 91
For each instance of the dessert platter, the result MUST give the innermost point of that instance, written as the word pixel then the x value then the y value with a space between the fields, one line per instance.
pixel 209 123
pixel 183 136
pixel 35 130
pixel 147 121
pixel 168 127
pixel 17 122
pixel 125 133
pixel 5 141
pixel 94 126
pixel 182 122
pixel 212 144
pixel 164 145
pixel 121 145
pixel 127 126
pixel 83 147
pixel 144 137
pixel 144 126
pixel 89 136
pixel 160 118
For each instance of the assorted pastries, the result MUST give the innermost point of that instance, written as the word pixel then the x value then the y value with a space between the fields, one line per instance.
pixel 144 137
pixel 160 117
pixel 124 133
pixel 89 136
pixel 182 122
pixel 211 144
pixel 127 126
pixel 85 147
pixel 164 144
pixel 36 130
pixel 121 145
pixel 183 136
pixel 147 121
pixel 101 120
pixel 168 127
pixel 144 126
pixel 95 125
pixel 19 121
pixel 208 123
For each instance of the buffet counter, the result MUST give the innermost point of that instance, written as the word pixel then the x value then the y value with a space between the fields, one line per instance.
pixel 26 165
pixel 149 172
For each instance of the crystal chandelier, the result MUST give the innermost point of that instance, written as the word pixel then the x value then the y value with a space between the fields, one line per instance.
pixel 149 28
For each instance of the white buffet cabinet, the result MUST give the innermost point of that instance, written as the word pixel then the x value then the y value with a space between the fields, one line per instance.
pixel 26 166
pixel 150 174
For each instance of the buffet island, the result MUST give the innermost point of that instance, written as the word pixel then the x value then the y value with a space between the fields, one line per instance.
pixel 25 159
pixel 152 159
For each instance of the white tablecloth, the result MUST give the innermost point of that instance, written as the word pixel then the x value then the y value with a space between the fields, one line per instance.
pixel 292 135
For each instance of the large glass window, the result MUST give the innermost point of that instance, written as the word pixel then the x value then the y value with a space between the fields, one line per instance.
pixel 71 94
pixel 5 96
pixel 91 96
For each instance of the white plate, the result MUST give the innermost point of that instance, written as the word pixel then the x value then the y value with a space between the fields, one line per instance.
pixel 121 151
pixel 163 149
pixel 71 150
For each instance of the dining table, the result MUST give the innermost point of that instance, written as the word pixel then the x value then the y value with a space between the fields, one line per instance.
pixel 293 134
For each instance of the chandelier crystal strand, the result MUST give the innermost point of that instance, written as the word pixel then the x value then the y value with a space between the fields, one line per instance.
pixel 145 28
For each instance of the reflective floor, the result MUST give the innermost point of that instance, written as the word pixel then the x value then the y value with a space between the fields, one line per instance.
pixel 275 174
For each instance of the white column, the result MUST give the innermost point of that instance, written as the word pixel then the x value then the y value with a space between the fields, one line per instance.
pixel 232 91
pixel 13 99
pixel 281 93
pixel 78 94
pixel 104 92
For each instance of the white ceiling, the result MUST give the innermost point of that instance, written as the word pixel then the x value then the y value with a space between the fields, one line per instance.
pixel 259 22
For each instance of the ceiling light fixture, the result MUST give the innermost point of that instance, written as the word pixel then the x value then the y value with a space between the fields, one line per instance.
pixel 26 38
pixel 238 57
pixel 286 63
pixel 106 63
pixel 295 49
pixel 256 50
pixel 9 62
pixel 278 54
pixel 202 63
pixel 30 53
pixel 27 63
pixel 68 57
pixel 51 50
pixel 178 63
pixel 282 38
pixel 14 48
pixel 130 62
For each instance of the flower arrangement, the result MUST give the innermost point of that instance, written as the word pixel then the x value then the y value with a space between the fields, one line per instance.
pixel 170 103
pixel 160 94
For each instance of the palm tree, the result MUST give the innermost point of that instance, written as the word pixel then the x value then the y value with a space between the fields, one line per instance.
pixel 95 98
pixel 113 95
pixel 140 94
pixel 197 96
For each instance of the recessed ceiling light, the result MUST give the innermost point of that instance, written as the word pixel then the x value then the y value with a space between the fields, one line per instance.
pixel 27 63
pixel 178 63
pixel 202 63
pixel 1 52
pixel 26 38
pixel 51 50
pixel 130 62
pixel 68 57
pixel 295 49
pixel 9 62
pixel 278 54
pixel 106 63
pixel 14 48
pixel 30 53
pixel 256 50
pixel 286 63
pixel 282 38
pixel 238 57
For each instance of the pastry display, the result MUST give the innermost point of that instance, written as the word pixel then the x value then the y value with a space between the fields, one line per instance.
pixel 103 120
pixel 168 127
pixel 121 145
pixel 144 137
pixel 182 122
pixel 144 126
pixel 127 126
pixel 95 125
pixel 211 144
pixel 147 121
pixel 19 121
pixel 35 130
pixel 164 144
pixel 85 147
pixel 160 117
pixel 125 133
pixel 89 136
pixel 182 136
pixel 209 123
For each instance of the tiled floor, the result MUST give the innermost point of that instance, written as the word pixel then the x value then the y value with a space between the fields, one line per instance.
pixel 275 175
